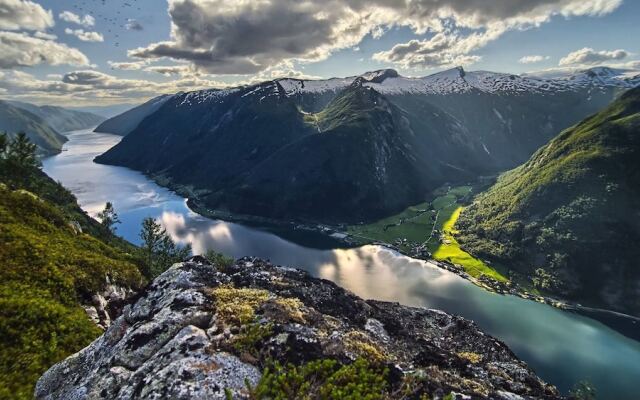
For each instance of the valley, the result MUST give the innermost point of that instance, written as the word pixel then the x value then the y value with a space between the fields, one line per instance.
pixel 550 340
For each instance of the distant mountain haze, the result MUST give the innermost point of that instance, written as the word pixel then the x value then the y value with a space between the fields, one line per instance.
pixel 43 124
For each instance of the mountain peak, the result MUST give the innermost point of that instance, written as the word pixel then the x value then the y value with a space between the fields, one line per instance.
pixel 380 75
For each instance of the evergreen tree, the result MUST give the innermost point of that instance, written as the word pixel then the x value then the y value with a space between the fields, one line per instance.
pixel 108 217
pixel 22 152
pixel 159 249
pixel 19 160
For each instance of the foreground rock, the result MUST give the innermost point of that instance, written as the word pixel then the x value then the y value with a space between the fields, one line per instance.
pixel 204 332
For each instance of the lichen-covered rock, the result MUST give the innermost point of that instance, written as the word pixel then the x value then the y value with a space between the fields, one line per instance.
pixel 200 332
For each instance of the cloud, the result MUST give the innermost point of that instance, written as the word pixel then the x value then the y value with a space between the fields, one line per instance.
pixel 127 66
pixel 589 56
pixel 85 36
pixel 246 37
pixel 133 25
pixel 171 70
pixel 444 49
pixel 86 21
pixel 44 35
pixel 93 87
pixel 532 59
pixel 22 50
pixel 23 14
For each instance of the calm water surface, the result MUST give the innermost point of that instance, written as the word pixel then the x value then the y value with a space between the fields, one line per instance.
pixel 561 347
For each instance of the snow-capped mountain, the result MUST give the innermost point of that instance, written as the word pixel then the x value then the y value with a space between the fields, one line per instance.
pixel 457 80
pixel 368 144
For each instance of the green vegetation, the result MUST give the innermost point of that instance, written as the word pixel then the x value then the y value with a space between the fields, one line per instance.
pixel 51 260
pixel 158 250
pixel 323 379
pixel 218 259
pixel 108 218
pixel 567 220
pixel 416 223
pixel 429 226
pixel 449 250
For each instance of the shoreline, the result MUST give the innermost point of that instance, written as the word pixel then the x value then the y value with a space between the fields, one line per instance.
pixel 484 282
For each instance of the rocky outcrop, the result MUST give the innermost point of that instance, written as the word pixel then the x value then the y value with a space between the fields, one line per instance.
pixel 107 304
pixel 204 332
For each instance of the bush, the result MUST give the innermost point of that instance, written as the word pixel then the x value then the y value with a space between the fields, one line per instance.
pixel 323 379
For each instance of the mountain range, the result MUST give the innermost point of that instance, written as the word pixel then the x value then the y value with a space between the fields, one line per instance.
pixel 357 148
pixel 43 124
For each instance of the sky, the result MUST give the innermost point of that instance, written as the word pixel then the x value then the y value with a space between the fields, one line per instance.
pixel 105 52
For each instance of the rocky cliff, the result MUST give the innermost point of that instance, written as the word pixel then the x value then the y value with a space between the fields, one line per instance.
pixel 255 330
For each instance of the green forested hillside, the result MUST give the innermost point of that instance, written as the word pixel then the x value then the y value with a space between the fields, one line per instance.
pixel 569 218
pixel 48 267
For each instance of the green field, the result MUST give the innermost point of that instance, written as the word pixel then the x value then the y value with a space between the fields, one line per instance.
pixel 415 226
pixel 450 251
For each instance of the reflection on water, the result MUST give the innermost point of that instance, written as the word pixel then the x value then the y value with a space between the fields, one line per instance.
pixel 562 347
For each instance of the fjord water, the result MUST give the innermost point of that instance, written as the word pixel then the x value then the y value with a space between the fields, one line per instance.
pixel 562 347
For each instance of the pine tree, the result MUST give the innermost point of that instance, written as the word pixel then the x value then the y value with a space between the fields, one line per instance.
pixel 159 249
pixel 19 160
pixel 22 152
pixel 108 217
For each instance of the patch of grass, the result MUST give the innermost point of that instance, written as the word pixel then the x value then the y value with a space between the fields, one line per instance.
pixel 450 251
pixel 238 305
pixel 323 379
pixel 472 357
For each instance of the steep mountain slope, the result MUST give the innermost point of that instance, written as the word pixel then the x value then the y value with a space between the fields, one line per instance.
pixel 333 155
pixel 256 152
pixel 54 257
pixel 365 160
pixel 569 217
pixel 124 123
pixel 61 119
pixel 14 120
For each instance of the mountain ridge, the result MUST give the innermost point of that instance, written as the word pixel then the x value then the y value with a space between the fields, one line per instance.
pixel 567 218
pixel 214 141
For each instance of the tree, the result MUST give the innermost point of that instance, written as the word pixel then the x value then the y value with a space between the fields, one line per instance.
pixel 22 152
pixel 108 217
pixel 19 160
pixel 151 235
pixel 218 259
pixel 159 249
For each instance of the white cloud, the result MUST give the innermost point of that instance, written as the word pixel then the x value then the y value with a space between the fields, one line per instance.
pixel 532 59
pixel 85 36
pixel 444 49
pixel 44 35
pixel 93 87
pixel 22 50
pixel 589 56
pixel 171 70
pixel 246 37
pixel 127 66
pixel 86 21
pixel 24 14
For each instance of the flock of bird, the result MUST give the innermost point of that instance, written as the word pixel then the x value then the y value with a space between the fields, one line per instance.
pixel 122 19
